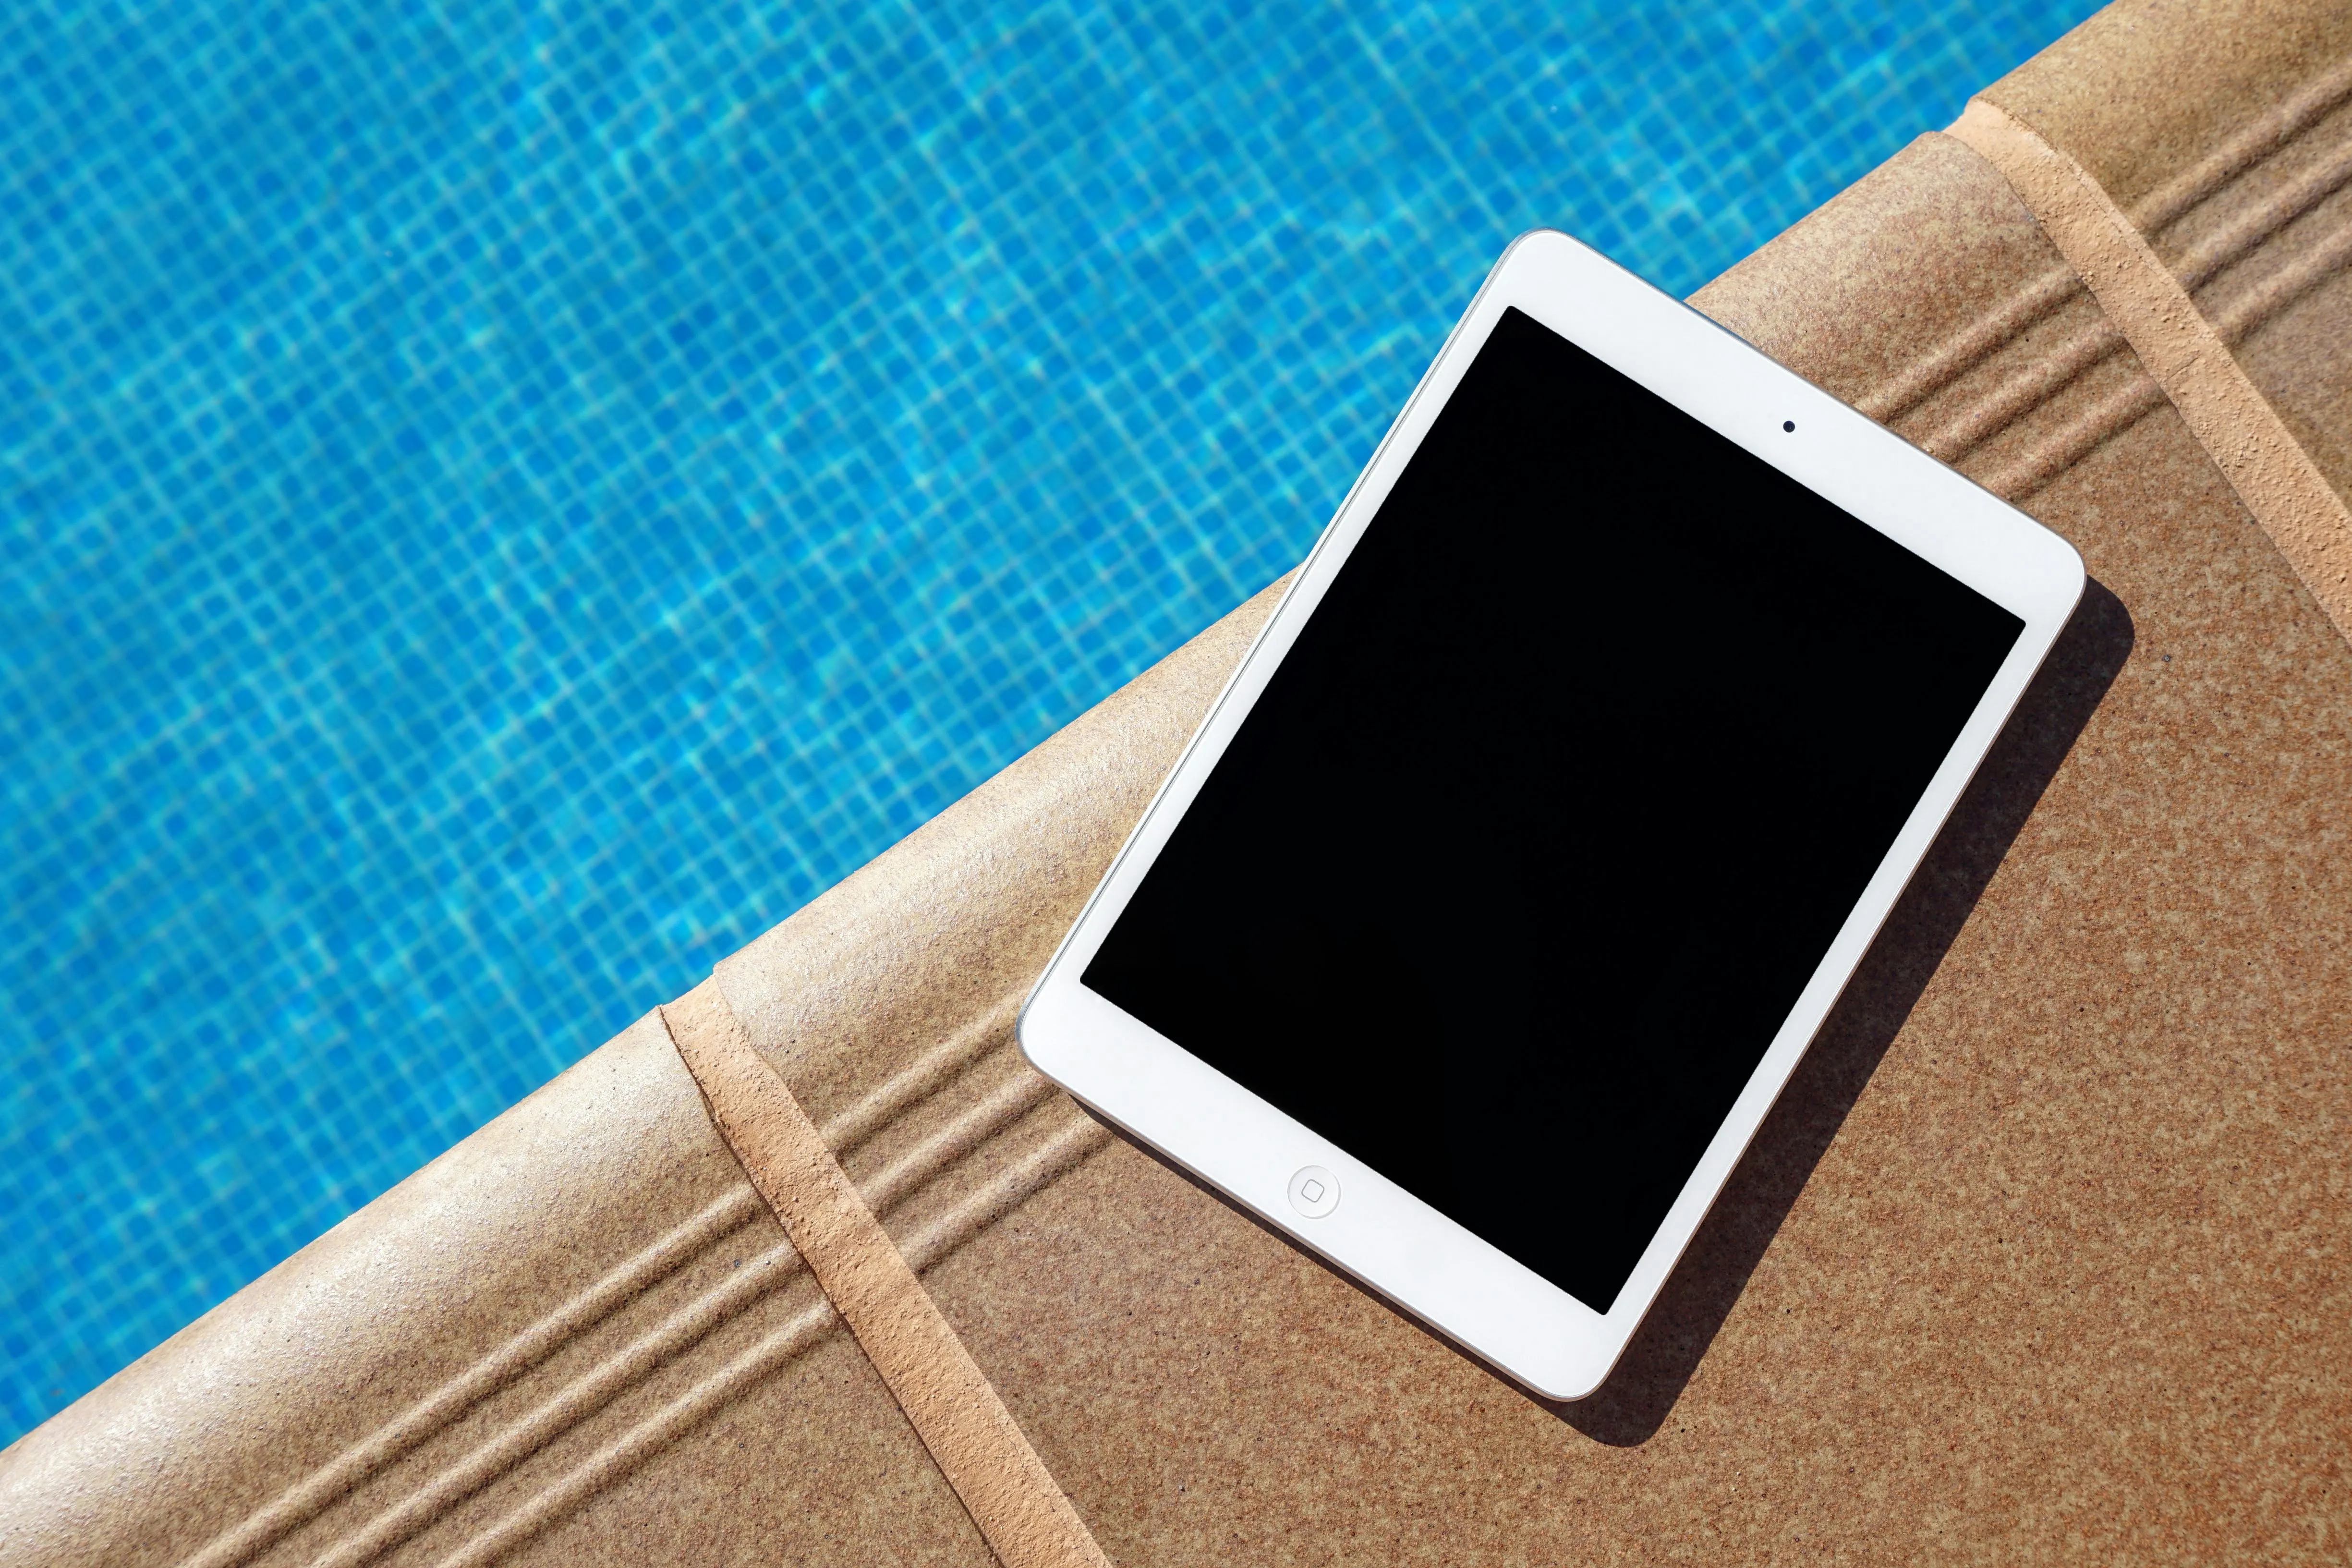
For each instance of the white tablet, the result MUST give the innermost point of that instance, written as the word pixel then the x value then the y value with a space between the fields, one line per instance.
pixel 1504 887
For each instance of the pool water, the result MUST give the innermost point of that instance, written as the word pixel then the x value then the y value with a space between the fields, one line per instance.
pixel 504 504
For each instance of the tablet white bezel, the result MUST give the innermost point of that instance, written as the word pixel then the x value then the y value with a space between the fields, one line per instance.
pixel 1403 1249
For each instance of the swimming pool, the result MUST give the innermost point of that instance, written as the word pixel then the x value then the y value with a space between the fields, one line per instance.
pixel 504 505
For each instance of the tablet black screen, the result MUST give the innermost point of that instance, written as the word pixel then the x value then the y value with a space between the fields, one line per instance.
pixel 1554 806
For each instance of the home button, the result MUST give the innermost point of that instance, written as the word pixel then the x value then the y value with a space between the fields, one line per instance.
pixel 1314 1192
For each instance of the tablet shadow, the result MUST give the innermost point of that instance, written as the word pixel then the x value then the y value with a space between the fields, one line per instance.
pixel 1698 1295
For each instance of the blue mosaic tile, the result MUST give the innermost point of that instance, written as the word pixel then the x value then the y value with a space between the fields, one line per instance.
pixel 503 506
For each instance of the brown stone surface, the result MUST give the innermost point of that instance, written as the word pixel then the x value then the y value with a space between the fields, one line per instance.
pixel 2042 1258
pixel 2147 89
